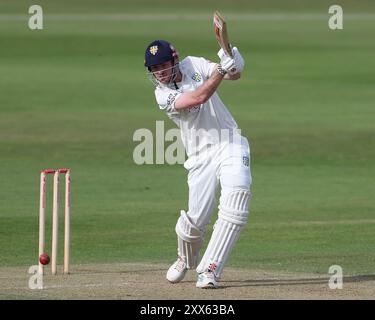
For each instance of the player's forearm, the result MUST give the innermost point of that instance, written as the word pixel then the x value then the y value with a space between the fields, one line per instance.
pixel 205 91
pixel 201 94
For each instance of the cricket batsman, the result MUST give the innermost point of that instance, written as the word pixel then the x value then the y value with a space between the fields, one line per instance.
pixel 217 156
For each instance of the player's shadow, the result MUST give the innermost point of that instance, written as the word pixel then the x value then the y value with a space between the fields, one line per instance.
pixel 291 282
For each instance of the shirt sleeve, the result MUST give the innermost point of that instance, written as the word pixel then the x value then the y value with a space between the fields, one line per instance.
pixel 206 66
pixel 166 99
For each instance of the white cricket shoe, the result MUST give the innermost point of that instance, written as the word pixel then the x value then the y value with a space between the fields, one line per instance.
pixel 207 280
pixel 177 271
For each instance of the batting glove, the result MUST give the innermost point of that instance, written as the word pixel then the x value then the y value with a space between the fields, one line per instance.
pixel 228 65
pixel 240 62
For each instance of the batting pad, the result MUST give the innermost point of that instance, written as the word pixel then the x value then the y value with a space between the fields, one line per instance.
pixel 234 206
pixel 233 214
pixel 222 241
pixel 189 239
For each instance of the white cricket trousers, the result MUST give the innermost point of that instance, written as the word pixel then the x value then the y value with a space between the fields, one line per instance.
pixel 226 165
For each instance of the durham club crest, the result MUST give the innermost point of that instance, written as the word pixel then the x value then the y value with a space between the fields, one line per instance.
pixel 153 50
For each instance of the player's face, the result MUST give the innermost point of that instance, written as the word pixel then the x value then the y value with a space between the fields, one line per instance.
pixel 163 71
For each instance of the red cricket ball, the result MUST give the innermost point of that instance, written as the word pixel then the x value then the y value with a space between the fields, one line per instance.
pixel 44 258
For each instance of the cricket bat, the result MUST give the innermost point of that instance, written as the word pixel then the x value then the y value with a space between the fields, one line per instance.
pixel 220 28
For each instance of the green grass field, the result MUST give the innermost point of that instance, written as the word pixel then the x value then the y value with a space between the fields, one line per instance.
pixel 73 94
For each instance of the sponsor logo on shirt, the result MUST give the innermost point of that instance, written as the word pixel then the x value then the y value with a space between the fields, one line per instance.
pixel 171 98
pixel 194 109
pixel 197 77
pixel 245 161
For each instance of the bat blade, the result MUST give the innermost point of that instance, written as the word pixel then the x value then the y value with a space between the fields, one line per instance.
pixel 221 33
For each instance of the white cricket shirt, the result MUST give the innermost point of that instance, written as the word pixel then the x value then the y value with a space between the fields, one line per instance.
pixel 203 124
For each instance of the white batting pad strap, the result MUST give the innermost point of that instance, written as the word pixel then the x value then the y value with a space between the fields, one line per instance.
pixel 222 241
pixel 190 240
pixel 234 207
